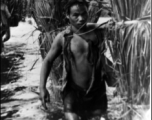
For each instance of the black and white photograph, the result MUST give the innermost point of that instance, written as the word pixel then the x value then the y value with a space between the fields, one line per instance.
pixel 75 59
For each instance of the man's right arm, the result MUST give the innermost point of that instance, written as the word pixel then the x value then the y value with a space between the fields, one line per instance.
pixel 55 51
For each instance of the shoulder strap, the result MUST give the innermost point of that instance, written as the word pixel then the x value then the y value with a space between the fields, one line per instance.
pixel 67 54
pixel 68 34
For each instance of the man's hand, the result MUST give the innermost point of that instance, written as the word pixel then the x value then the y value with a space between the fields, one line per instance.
pixel 44 97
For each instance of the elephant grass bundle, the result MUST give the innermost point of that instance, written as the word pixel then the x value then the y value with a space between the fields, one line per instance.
pixel 46 17
pixel 131 54
pixel 133 51
pixel 130 9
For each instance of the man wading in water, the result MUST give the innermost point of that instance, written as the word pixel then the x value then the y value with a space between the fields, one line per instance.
pixel 84 95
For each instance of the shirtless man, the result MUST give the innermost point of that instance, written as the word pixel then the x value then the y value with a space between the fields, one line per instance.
pixel 82 45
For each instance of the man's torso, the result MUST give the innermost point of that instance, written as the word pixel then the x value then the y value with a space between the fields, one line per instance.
pixel 81 69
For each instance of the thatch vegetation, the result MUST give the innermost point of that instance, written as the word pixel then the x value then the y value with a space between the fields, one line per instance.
pixel 17 9
pixel 131 52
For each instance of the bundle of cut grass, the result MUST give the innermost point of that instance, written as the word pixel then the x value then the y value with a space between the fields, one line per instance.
pixel 131 53
pixel 47 19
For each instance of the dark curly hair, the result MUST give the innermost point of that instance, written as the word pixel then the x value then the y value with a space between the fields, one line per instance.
pixel 73 2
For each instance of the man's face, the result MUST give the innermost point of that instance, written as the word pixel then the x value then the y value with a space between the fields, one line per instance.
pixel 78 15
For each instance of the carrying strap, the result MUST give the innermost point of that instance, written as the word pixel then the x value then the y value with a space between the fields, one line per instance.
pixel 67 56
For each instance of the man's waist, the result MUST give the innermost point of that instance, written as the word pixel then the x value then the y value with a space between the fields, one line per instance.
pixel 42 1
pixel 77 87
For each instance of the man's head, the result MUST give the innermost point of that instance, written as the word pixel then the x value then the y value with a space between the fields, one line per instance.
pixel 77 12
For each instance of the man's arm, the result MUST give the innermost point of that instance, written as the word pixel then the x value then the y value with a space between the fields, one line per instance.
pixel 54 52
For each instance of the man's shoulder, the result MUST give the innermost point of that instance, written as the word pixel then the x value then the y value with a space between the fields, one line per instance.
pixel 96 28
pixel 60 37
pixel 66 31
pixel 63 33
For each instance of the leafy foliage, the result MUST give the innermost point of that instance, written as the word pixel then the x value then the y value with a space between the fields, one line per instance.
pixel 130 9
pixel 131 52
pixel 17 9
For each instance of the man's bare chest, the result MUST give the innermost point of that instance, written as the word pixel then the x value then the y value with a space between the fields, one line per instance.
pixel 80 44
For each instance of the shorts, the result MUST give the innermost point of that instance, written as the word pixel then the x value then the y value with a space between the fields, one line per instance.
pixel 76 100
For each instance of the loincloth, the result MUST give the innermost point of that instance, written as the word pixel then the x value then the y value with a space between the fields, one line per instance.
pixel 76 100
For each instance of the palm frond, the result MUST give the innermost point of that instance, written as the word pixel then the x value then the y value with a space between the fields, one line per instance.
pixel 130 9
